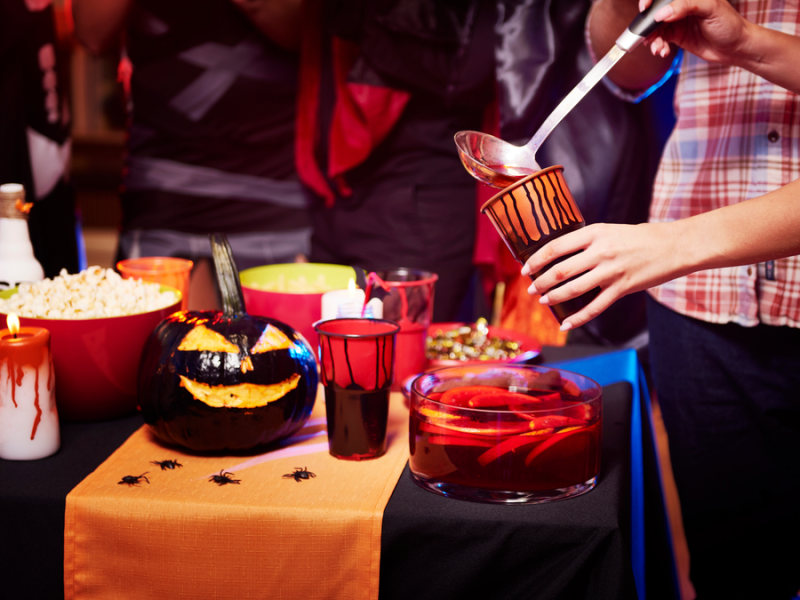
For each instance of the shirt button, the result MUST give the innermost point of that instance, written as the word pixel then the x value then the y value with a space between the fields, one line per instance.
pixel 749 271
pixel 773 136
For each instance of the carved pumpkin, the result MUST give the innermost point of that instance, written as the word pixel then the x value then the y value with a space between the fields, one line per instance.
pixel 216 380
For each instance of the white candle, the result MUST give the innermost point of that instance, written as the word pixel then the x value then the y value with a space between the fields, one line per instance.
pixel 28 417
pixel 348 303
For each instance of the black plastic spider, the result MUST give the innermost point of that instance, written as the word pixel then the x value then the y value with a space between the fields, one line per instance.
pixel 299 474
pixel 166 464
pixel 133 479
pixel 223 478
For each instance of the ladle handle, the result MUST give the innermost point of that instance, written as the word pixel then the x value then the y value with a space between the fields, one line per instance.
pixel 642 25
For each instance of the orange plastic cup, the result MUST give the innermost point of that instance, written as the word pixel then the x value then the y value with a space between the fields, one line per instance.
pixel 165 270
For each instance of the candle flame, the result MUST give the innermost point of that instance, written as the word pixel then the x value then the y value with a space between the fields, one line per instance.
pixel 12 321
pixel 351 285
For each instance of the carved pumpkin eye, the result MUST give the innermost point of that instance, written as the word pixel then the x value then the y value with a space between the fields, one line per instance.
pixel 272 339
pixel 203 339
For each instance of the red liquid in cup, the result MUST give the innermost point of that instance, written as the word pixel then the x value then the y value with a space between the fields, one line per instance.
pixel 357 422
pixel 506 176
pixel 356 367
pixel 537 441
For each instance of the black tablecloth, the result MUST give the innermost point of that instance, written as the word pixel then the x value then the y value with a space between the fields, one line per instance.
pixel 431 547
pixel 436 547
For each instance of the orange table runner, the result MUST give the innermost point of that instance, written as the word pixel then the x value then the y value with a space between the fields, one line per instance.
pixel 182 536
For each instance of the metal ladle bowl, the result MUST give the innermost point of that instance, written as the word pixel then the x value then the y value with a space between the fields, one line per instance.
pixel 493 161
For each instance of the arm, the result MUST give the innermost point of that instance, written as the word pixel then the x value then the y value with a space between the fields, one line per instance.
pixel 98 23
pixel 279 20
pixel 714 31
pixel 641 68
pixel 622 259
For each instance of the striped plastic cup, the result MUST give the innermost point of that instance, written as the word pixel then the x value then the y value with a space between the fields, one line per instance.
pixel 532 212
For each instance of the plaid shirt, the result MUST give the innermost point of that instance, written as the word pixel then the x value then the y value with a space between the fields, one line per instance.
pixel 737 136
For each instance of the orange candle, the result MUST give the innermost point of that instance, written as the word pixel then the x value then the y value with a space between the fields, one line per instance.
pixel 28 416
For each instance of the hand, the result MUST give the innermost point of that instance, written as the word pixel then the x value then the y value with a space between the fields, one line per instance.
pixel 710 29
pixel 620 259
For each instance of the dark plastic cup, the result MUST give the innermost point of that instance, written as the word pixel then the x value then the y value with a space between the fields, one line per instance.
pixel 356 357
pixel 532 212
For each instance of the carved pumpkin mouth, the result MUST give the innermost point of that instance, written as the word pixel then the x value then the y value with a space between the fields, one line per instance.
pixel 243 395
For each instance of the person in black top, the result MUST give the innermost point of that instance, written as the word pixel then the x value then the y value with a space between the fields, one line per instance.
pixel 211 99
pixel 383 91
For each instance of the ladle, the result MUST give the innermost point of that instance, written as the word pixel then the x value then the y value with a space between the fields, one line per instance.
pixel 498 163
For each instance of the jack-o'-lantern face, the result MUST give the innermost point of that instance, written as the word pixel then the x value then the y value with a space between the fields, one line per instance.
pixel 206 376
pixel 242 395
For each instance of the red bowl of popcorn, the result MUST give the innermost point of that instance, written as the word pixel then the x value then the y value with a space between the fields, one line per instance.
pixel 98 325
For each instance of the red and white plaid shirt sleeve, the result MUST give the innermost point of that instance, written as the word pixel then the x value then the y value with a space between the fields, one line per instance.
pixel 737 137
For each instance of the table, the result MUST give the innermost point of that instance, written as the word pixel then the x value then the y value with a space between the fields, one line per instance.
pixel 586 547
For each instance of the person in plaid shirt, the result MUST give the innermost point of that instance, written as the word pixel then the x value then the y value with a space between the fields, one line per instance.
pixel 719 258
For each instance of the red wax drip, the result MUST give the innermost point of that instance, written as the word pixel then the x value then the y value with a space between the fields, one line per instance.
pixel 11 378
pixel 15 381
pixel 38 418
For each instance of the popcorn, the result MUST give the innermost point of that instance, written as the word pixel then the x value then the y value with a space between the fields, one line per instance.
pixel 94 293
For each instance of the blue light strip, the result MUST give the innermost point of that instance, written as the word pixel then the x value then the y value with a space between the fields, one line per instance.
pixel 606 369
pixel 81 241
pixel 675 67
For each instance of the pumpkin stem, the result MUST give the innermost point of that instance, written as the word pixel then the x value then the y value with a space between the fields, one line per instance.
pixel 230 286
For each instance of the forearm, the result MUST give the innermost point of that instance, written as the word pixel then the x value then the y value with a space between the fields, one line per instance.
pixel 98 23
pixel 772 55
pixel 640 69
pixel 279 20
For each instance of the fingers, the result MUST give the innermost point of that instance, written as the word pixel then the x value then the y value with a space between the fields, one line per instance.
pixel 659 42
pixel 592 310
pixel 664 13
pixel 659 45
pixel 562 246
pixel 680 9
pixel 556 284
